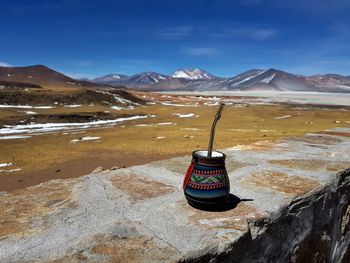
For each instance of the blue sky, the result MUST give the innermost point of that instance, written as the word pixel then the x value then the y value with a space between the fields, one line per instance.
pixel 92 38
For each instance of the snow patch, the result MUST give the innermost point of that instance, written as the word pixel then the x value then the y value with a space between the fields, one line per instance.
pixel 43 107
pixel 5 164
pixel 117 108
pixel 165 123
pixel 178 105
pixel 14 137
pixel 283 117
pixel 11 171
pixel 191 129
pixel 268 79
pixel 144 125
pixel 242 130
pixel 25 106
pixel 50 127
pixel 123 101
pixel 246 79
pixel 87 138
pixel 189 115
pixel 192 74
pixel 72 106
pixel 122 108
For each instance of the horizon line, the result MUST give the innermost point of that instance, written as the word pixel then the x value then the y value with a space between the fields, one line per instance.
pixel 93 76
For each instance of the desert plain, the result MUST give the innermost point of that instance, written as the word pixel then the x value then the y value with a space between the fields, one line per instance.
pixel 40 143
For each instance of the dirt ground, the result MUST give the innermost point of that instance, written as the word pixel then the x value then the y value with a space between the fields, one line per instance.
pixel 50 156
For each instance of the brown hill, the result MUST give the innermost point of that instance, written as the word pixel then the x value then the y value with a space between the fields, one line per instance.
pixel 37 74
pixel 41 75
pixel 40 85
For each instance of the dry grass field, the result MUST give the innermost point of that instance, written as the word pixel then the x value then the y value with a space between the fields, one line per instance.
pixel 172 131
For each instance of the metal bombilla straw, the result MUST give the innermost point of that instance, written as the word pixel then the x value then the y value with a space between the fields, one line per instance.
pixel 212 131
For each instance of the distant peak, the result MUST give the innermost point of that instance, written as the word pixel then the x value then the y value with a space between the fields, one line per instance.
pixel 190 70
pixel 192 74
pixel 273 70
pixel 110 78
pixel 39 66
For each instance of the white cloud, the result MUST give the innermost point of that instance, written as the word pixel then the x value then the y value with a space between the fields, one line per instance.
pixel 251 33
pixel 175 32
pixel 4 64
pixel 217 30
pixel 84 63
pixel 200 51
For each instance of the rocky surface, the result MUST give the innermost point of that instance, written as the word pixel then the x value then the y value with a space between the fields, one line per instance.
pixel 294 207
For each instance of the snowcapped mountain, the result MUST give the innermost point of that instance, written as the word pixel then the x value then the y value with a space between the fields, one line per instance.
pixel 146 78
pixel 136 80
pixel 193 74
pixel 272 80
pixel 277 80
pixel 251 80
pixel 330 81
pixel 158 80
pixel 242 78
pixel 111 79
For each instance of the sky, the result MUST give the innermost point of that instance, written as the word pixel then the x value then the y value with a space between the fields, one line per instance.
pixel 94 38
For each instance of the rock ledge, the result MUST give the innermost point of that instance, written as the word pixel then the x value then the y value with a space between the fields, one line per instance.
pixel 295 207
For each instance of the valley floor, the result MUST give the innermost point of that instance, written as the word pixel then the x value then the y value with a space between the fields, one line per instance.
pixel 171 125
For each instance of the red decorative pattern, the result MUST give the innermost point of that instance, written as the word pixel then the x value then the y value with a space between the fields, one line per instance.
pixel 206 186
pixel 188 175
pixel 209 173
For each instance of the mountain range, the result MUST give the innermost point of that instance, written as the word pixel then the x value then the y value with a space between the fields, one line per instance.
pixel 146 79
pixel 182 79
pixel 252 80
